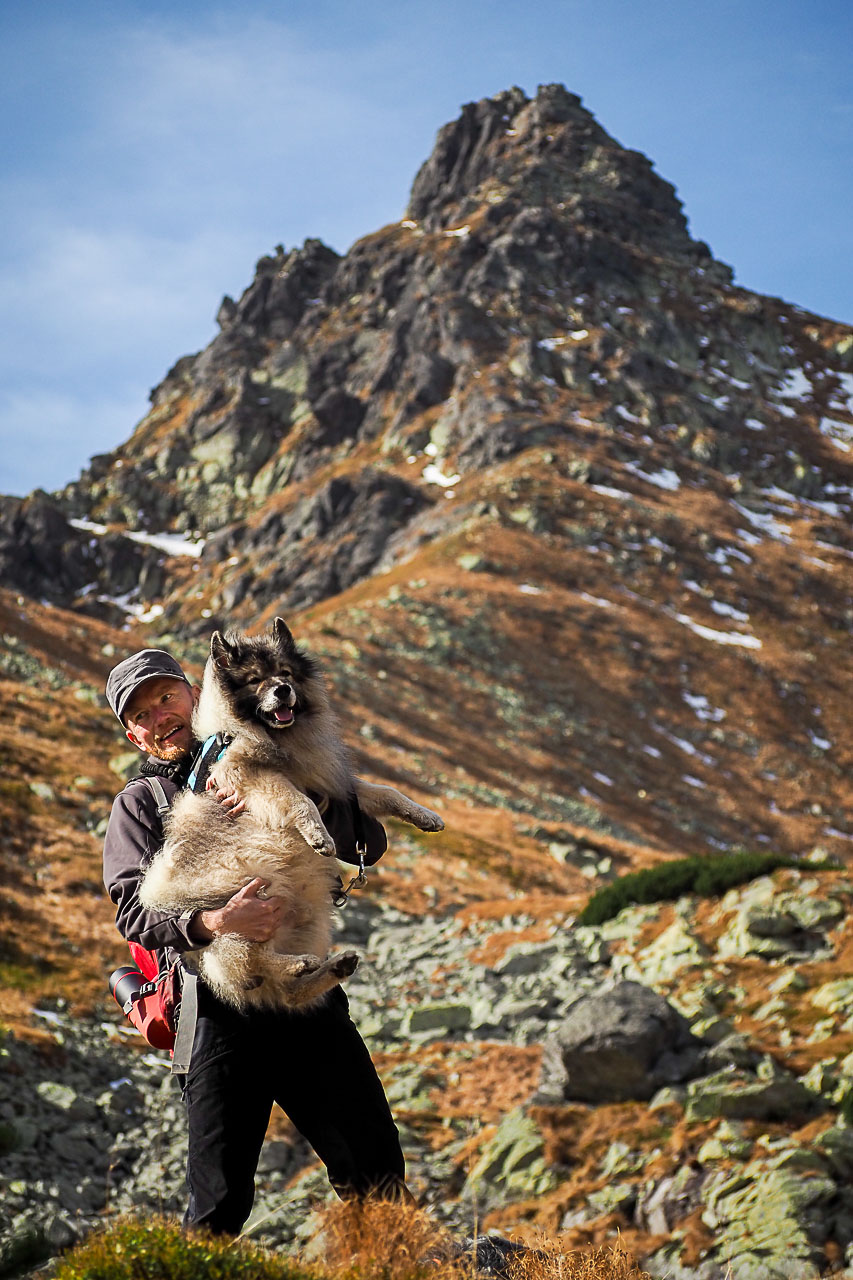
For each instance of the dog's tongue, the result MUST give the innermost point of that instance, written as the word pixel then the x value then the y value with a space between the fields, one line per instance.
pixel 283 715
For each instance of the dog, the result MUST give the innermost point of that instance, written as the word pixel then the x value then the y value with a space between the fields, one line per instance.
pixel 269 696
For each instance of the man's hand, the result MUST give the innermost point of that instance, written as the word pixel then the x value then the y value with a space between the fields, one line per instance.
pixel 231 801
pixel 255 918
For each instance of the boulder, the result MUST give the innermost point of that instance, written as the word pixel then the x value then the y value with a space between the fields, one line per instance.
pixel 618 1045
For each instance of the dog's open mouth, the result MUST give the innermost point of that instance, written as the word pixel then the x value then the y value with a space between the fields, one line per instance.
pixel 281 718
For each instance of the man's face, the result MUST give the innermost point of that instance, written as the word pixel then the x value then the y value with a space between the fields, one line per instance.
pixel 158 718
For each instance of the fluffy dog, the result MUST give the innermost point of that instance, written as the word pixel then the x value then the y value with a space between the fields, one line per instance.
pixel 268 695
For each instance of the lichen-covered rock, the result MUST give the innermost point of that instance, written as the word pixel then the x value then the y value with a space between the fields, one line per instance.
pixel 512 1163
pixel 772 924
pixel 778 1209
pixel 739 1095
pixel 677 948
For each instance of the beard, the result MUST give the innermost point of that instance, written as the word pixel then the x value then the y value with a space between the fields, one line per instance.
pixel 173 750
pixel 169 752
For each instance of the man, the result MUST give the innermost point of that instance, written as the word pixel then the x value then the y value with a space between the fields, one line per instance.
pixel 242 1062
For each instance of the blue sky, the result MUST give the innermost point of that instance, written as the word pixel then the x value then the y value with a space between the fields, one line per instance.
pixel 153 151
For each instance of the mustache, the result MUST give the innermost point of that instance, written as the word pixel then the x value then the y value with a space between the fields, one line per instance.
pixel 161 737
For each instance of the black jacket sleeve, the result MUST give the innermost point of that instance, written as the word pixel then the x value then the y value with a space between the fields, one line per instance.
pixel 134 834
pixel 338 820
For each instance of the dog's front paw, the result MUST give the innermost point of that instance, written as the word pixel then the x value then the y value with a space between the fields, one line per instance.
pixel 344 965
pixel 426 820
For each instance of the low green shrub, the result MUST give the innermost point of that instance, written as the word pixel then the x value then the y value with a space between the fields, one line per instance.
pixel 155 1249
pixel 707 876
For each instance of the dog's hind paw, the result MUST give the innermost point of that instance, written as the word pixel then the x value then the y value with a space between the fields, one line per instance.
pixel 316 835
pixel 344 965
pixel 426 820
pixel 324 844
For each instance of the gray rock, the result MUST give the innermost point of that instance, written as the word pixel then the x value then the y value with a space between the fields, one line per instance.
pixel 664 1202
pixel 738 1095
pixel 439 1016
pixel 622 1044
pixel 512 1163
pixel 494 1255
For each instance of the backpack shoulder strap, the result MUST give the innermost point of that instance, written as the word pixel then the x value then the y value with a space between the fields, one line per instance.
pixel 159 795
pixel 357 823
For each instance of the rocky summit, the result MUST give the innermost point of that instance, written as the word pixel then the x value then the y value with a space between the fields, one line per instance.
pixel 566 515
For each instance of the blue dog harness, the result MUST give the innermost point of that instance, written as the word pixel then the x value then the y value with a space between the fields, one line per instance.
pixel 212 751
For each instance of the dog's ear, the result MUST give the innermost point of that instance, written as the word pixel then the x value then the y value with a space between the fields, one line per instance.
pixel 221 651
pixel 282 635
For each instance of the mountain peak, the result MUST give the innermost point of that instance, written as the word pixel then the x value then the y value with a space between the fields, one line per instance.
pixel 545 151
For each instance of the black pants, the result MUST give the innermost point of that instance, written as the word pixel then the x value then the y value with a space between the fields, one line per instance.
pixel 241 1064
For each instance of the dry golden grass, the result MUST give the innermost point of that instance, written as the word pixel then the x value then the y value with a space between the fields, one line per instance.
pixel 354 1242
pixel 382 1241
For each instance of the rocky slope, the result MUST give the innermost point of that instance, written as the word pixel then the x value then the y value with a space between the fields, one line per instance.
pixel 677 1075
pixel 566 514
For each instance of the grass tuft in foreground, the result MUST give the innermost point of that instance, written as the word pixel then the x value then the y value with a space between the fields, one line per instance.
pixel 155 1249
pixel 355 1242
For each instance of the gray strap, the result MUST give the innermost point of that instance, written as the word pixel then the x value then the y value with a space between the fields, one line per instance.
pixel 163 805
pixel 188 1008
pixel 186 1024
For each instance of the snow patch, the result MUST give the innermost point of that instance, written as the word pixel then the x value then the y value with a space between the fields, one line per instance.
pixel 775 494
pixel 173 544
pixel 838 433
pixel 765 522
pixel 736 638
pixel 608 492
pixel 597 600
pixel 550 344
pixel 703 708
pixel 729 611
pixel 796 385
pixel 433 475
pixel 664 479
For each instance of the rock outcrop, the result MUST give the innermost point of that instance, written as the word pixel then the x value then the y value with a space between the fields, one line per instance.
pixel 619 1045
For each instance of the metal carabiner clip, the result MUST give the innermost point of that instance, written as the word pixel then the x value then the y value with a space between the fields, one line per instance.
pixel 342 898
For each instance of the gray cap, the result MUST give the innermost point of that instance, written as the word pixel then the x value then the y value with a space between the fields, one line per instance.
pixel 148 664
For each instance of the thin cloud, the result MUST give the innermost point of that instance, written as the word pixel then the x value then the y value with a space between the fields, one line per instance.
pixel 187 156
pixel 51 427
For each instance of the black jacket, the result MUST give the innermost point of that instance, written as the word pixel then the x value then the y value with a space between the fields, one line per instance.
pixel 135 833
